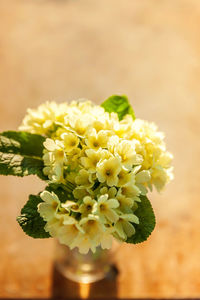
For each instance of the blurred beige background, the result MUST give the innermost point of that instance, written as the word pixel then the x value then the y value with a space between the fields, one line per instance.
pixel 147 49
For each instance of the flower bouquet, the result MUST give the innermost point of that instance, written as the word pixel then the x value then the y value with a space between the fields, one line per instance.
pixel 99 162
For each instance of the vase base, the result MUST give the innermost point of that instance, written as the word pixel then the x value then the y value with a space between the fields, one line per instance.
pixel 84 274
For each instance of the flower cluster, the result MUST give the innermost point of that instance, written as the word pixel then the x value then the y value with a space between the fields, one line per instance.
pixel 110 162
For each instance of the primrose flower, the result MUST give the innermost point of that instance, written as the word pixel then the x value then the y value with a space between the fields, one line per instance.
pixel 105 208
pixel 103 163
pixel 129 157
pixel 69 232
pixel 84 178
pixel 130 190
pixel 42 119
pixel 124 177
pixel 93 229
pixel 92 158
pixel 56 150
pixel 49 207
pixel 124 227
pixel 87 206
pixel 70 141
pixel 96 140
pixel 110 191
pixel 107 238
pixel 125 204
pixel 108 170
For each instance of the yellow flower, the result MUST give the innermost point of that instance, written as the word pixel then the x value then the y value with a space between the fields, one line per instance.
pixel 84 243
pixel 124 228
pixel 92 226
pixel 160 176
pixel 124 177
pixel 112 143
pixel 125 204
pixel 93 157
pixel 80 125
pixel 53 226
pixel 70 206
pixel 111 191
pixel 99 125
pixel 105 208
pixel 126 151
pixel 80 192
pixel 84 178
pixel 142 180
pixel 108 170
pixel 87 206
pixel 49 207
pixel 107 238
pixel 57 174
pixel 42 119
pixel 93 229
pixel 130 190
pixel 69 232
pixel 56 151
pixel 97 140
pixel 70 141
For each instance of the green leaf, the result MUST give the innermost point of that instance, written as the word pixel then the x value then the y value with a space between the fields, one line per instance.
pixel 147 221
pixel 30 220
pixel 23 143
pixel 21 154
pixel 119 105
pixel 63 191
pixel 18 165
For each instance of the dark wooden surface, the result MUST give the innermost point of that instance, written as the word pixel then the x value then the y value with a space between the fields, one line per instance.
pixel 147 49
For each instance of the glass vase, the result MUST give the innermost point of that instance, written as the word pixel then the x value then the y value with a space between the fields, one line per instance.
pixel 84 268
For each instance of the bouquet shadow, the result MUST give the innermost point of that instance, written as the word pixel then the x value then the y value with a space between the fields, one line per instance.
pixel 63 288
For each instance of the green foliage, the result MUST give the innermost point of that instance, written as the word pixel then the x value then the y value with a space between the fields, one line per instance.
pixel 147 221
pixel 20 142
pixel 21 154
pixel 30 220
pixel 119 105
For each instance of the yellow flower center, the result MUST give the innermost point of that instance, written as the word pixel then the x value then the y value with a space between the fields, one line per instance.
pixel 102 207
pixel 89 207
pixel 75 206
pixel 91 222
pixel 108 172
pixel 73 143
pixel 96 144
pixel 121 175
pixel 124 157
pixel 54 204
pixel 60 153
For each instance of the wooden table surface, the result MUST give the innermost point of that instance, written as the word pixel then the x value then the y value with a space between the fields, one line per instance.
pixel 147 49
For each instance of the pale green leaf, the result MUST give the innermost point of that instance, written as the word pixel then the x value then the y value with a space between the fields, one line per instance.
pixel 119 105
